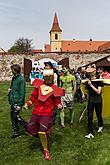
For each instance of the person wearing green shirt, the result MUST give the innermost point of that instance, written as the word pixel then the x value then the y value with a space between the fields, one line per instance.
pixel 16 98
pixel 68 83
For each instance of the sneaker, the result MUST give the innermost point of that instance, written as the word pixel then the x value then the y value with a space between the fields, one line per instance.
pixel 71 123
pixel 46 154
pixel 62 126
pixel 100 129
pixel 89 136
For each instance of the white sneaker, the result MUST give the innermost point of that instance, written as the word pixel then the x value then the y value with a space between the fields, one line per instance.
pixel 100 129
pixel 89 136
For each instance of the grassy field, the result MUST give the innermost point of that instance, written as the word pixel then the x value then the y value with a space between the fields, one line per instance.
pixel 69 146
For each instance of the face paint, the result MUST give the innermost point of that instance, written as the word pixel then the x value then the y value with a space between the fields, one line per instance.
pixel 65 70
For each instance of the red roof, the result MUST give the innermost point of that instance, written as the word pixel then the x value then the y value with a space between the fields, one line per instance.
pixel 47 48
pixel 105 46
pixel 78 46
pixel 37 51
pixel 55 26
pixel 81 46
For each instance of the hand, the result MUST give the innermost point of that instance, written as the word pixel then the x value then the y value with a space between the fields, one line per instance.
pixel 83 96
pixel 18 108
pixel 60 106
pixel 25 106
pixel 28 104
pixel 9 90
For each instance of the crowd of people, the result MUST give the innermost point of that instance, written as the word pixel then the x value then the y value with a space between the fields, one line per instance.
pixel 35 73
pixel 54 90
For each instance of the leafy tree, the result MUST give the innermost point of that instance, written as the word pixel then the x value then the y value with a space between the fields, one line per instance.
pixel 21 46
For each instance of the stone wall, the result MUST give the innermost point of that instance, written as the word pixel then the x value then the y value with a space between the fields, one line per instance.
pixel 75 60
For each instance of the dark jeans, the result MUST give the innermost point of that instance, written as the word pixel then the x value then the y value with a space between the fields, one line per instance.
pixel 54 115
pixel 16 119
pixel 98 110
pixel 79 95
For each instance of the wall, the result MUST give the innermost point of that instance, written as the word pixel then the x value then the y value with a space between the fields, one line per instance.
pixel 75 60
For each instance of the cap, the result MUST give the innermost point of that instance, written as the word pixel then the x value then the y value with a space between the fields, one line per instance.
pixel 48 63
pixel 90 70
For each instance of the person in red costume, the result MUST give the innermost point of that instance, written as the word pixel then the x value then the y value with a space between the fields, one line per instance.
pixel 105 75
pixel 45 97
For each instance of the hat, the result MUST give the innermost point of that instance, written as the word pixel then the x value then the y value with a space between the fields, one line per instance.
pixel 48 63
pixel 90 70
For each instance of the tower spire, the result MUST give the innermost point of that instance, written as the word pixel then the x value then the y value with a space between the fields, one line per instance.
pixel 55 26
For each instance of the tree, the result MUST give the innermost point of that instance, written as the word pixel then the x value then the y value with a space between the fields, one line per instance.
pixel 21 46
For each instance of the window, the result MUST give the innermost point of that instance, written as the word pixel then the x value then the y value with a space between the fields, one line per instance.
pixel 56 36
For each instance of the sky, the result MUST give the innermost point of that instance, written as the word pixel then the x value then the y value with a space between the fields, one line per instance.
pixel 32 19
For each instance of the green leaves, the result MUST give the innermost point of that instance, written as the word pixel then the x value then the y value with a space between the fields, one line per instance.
pixel 21 46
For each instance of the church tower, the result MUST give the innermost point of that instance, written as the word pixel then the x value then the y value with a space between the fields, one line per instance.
pixel 55 36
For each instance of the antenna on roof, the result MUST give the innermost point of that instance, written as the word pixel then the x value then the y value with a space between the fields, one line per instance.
pixel 74 40
pixel 90 39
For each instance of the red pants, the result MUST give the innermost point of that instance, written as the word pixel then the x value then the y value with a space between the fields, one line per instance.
pixel 40 123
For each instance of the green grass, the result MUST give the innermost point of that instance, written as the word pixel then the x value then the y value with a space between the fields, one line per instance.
pixel 69 146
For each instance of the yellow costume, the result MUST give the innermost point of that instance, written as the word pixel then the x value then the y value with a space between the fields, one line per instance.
pixel 105 96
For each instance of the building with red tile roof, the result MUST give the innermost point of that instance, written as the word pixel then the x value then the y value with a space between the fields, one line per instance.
pixel 81 46
pixel 47 48
pixel 59 45
pixel 105 47
pixel 37 51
